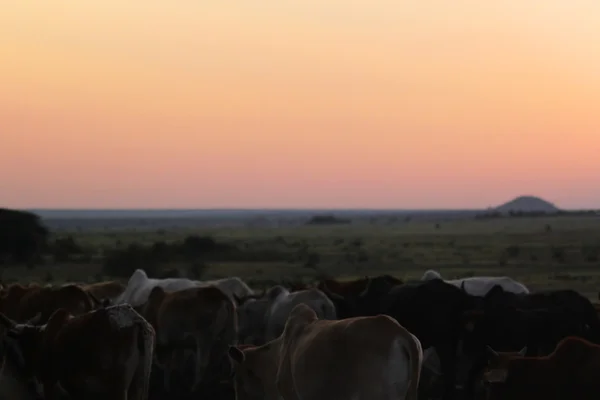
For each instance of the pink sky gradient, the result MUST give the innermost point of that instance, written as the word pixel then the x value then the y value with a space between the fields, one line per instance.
pixel 341 104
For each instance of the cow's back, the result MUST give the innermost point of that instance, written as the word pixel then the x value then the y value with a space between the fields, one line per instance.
pixel 282 306
pixel 47 300
pixel 362 358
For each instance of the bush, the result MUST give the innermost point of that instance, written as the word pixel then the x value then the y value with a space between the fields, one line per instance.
pixel 123 262
pixel 64 249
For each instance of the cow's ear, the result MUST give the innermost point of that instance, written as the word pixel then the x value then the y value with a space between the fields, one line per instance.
pixel 236 354
pixel 237 300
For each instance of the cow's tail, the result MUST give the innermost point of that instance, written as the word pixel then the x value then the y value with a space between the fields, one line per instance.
pixel 414 351
pixel 146 338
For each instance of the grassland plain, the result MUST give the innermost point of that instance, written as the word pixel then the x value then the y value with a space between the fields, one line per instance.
pixel 543 252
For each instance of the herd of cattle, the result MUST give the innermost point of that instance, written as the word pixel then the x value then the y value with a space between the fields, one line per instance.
pixel 376 338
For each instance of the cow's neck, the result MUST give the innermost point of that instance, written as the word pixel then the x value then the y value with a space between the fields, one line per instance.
pixel 270 354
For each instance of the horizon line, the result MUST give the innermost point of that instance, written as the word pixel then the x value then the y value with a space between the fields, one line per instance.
pixel 279 209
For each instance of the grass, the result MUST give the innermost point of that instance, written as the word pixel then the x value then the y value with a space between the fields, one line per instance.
pixel 542 252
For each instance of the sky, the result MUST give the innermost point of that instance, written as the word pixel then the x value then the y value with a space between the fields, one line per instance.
pixel 299 104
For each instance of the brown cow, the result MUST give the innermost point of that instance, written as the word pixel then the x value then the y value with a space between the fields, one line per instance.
pixel 349 297
pixel 570 372
pixel 202 319
pixel 104 354
pixel 371 358
pixel 343 288
pixel 21 303
pixel 104 292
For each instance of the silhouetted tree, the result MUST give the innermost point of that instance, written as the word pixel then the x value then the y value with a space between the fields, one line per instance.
pixel 22 236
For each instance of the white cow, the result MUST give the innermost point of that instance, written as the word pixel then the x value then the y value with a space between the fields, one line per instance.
pixel 480 285
pixel 233 287
pixel 139 287
pixel 263 319
pixel 475 286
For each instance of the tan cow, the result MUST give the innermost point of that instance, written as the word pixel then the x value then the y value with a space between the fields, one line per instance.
pixel 104 354
pixel 202 320
pixel 363 358
pixel 104 290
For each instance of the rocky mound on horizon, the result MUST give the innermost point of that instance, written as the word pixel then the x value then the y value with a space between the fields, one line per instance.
pixel 527 204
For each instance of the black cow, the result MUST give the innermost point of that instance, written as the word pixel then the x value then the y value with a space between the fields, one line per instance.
pixel 432 310
pixel 568 305
pixel 509 322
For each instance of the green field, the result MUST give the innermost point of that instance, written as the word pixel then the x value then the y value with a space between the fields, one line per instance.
pixel 543 252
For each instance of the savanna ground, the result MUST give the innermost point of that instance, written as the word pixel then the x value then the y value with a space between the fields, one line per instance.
pixel 543 252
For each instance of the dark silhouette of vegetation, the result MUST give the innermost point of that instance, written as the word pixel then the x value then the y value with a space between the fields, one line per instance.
pixel 194 253
pixel 22 237
pixel 65 249
pixel 534 214
pixel 327 220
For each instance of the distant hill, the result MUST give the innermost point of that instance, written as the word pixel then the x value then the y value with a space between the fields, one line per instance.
pixel 528 204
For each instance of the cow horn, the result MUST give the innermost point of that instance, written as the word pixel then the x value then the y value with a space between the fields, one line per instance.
pixel 331 294
pixel 491 351
pixel 367 287
pixel 34 320
pixel 523 351
pixel 97 302
pixel 7 322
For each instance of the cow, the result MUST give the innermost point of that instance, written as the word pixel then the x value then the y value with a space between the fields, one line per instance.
pixel 474 286
pixel 296 285
pixel 106 291
pixel 569 301
pixel 509 321
pixel 351 298
pixel 15 383
pixel 106 353
pixel 354 287
pixel 200 320
pixel 371 358
pixel 481 285
pixel 139 287
pixel 570 372
pixel 233 286
pixel 21 303
pixel 432 310
pixel 263 319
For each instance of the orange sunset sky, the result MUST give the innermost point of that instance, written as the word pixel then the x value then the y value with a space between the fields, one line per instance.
pixel 276 103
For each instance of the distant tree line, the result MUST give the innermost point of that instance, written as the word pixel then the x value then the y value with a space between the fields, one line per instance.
pixel 533 214
pixel 25 240
pixel 327 220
